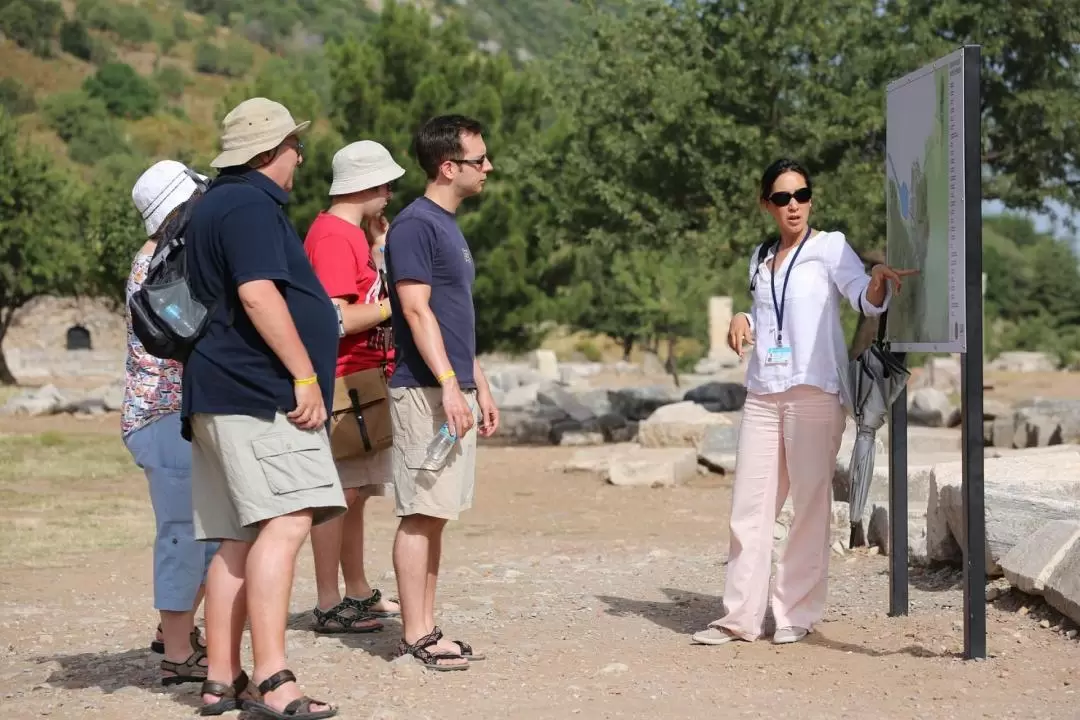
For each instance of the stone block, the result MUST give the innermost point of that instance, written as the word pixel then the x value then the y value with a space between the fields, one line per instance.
pixel 1062 588
pixel 1031 563
pixel 654 468
pixel 681 424
pixel 1022 493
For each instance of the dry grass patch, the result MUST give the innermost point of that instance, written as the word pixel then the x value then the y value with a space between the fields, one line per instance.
pixel 45 75
pixel 63 495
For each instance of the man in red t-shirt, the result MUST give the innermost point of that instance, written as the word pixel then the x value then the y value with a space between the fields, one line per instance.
pixel 349 264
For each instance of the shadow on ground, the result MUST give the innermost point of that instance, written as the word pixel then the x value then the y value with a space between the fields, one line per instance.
pixel 686 612
pixel 112 672
pixel 382 643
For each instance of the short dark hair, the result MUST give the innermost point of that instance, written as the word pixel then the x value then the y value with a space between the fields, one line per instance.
pixel 439 140
pixel 778 168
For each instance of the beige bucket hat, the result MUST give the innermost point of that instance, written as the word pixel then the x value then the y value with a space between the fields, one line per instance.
pixel 362 165
pixel 161 189
pixel 252 127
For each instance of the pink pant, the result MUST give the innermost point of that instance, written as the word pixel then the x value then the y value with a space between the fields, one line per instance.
pixel 788 441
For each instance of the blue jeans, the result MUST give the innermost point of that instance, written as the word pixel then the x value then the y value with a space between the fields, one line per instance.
pixel 180 561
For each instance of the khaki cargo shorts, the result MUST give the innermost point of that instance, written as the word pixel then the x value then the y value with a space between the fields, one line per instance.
pixel 245 470
pixel 367 473
pixel 417 415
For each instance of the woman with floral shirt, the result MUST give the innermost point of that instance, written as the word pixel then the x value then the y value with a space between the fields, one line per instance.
pixel 150 426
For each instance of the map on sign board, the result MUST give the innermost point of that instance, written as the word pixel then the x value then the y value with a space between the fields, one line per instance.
pixel 924 166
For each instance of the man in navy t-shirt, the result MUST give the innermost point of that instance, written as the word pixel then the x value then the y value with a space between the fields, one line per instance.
pixel 437 379
pixel 256 390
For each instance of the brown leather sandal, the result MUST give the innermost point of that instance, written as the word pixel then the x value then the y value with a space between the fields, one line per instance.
pixel 188 671
pixel 229 694
pixel 298 709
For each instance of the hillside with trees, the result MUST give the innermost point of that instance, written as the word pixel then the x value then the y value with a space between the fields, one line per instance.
pixel 627 138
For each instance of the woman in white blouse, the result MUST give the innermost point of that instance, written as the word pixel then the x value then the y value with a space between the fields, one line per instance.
pixel 793 419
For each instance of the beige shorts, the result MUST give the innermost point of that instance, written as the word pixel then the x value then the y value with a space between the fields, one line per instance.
pixel 370 473
pixel 245 470
pixel 417 415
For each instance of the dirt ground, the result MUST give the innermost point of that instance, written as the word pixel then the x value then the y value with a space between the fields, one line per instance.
pixel 582 595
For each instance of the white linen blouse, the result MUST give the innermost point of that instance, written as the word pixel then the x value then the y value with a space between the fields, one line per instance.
pixel 826 269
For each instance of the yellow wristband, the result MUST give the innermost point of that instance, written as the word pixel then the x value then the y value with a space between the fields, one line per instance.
pixel 446 376
pixel 383 312
pixel 307 381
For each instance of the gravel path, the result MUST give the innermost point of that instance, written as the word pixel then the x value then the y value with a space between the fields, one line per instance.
pixel 583 596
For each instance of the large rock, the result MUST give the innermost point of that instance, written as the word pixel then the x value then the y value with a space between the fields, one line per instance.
pixel 1022 493
pixel 1022 362
pixel 527 426
pixel 545 363
pixel 633 465
pixel 1065 413
pixel 930 407
pixel 564 400
pixel 718 448
pixel 718 396
pixel 1031 563
pixel 44 400
pixel 678 425
pixel 638 403
pixel 521 396
pixel 1062 589
pixel 940 373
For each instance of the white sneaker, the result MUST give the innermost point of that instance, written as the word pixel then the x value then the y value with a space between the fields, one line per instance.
pixel 714 636
pixel 787 635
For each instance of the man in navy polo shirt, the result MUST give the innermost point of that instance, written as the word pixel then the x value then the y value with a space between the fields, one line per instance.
pixel 437 378
pixel 256 391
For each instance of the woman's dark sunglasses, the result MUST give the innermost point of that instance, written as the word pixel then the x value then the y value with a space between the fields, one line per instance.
pixel 782 199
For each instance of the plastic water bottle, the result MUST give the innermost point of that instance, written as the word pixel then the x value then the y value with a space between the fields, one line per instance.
pixel 179 322
pixel 439 448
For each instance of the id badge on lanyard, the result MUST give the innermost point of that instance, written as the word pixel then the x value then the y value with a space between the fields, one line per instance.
pixel 779 355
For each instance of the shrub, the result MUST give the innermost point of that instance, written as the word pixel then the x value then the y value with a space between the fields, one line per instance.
pixel 124 92
pixel 75 40
pixel 31 24
pixel 171 81
pixel 15 97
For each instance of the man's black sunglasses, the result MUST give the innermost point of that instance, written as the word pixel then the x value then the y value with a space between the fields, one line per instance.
pixel 782 199
pixel 475 162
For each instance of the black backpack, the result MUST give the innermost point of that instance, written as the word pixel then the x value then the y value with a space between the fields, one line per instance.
pixel 165 314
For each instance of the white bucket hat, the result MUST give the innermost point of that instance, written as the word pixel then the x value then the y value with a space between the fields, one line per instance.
pixel 252 127
pixel 161 189
pixel 363 165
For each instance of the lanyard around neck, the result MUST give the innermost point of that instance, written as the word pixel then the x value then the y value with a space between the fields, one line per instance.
pixel 779 306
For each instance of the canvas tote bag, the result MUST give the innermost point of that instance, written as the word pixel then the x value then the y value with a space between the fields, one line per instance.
pixel 360 419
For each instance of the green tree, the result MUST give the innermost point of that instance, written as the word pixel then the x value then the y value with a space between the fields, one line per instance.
pixel 38 251
pixel 125 93
pixel 31 23
pixel 404 71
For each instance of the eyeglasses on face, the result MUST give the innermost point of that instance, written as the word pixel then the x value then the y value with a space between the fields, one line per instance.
pixel 475 162
pixel 782 199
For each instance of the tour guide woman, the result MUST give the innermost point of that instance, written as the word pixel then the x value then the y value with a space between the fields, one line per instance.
pixel 793 419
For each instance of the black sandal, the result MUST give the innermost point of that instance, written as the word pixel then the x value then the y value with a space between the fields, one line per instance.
pixel 366 605
pixel 342 618
pixel 292 710
pixel 229 694
pixel 158 646
pixel 419 650
pixel 188 671
pixel 466 648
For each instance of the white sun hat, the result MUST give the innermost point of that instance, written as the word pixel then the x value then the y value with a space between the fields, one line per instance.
pixel 161 189
pixel 363 165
